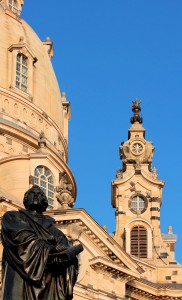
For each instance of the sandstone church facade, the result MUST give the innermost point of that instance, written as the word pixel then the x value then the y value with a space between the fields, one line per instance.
pixel 137 261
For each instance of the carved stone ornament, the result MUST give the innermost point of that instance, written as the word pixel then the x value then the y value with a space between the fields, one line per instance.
pixel 136 110
pixel 119 174
pixel 137 148
pixel 137 164
pixel 63 193
pixel 154 173
pixel 133 187
pixel 42 140
pixel 65 103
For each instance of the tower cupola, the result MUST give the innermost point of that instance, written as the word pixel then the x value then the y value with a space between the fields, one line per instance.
pixel 136 150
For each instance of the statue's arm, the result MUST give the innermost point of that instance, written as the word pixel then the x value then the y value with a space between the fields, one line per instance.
pixel 65 256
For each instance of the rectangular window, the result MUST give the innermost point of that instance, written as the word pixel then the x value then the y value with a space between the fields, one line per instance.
pixel 13 6
pixel 168 277
pixel 172 247
pixel 174 272
pixel 139 241
pixel 21 72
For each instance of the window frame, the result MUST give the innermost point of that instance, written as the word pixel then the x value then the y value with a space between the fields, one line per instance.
pixel 23 50
pixel 148 226
pixel 21 72
pixel 138 199
pixel 13 6
pixel 43 177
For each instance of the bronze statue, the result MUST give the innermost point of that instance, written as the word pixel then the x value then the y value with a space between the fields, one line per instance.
pixel 38 261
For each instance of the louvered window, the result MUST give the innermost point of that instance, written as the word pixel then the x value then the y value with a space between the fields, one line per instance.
pixel 139 241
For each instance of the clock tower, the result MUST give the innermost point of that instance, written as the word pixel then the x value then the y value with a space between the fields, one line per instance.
pixel 137 197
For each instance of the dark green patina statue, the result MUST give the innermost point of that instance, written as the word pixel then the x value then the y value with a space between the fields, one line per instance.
pixel 38 262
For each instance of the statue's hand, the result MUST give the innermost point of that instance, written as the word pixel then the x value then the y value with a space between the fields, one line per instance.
pixel 78 248
pixel 76 242
pixel 65 256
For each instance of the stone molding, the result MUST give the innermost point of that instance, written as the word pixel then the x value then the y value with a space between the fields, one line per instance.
pixel 142 289
pixel 25 113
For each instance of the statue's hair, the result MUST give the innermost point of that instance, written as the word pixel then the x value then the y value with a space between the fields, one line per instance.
pixel 25 199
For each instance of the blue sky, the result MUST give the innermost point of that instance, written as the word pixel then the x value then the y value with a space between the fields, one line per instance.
pixel 107 53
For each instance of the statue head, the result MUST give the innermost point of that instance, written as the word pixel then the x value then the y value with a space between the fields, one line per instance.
pixel 35 199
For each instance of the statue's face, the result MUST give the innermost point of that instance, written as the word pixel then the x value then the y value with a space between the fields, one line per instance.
pixel 36 200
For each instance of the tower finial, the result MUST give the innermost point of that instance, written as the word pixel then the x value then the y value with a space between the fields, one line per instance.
pixel 136 109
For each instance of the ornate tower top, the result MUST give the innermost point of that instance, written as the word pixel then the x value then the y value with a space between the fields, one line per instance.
pixel 136 150
pixel 14 6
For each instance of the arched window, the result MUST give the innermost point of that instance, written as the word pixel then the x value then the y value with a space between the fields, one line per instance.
pixel 139 241
pixel 21 72
pixel 44 178
pixel 13 5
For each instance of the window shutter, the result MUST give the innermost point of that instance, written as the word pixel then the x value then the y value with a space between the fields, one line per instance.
pixel 139 241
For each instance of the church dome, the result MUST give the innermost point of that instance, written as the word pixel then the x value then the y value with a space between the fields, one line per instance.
pixel 33 113
pixel 42 87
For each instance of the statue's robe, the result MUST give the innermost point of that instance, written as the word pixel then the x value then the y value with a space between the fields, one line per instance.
pixel 31 270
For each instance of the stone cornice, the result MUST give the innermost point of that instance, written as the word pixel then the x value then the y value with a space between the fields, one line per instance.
pixel 131 174
pixel 97 235
pixel 115 270
pixel 24 45
pixel 14 204
pixel 30 105
pixel 90 290
pixel 28 137
pixel 149 290
pixel 144 263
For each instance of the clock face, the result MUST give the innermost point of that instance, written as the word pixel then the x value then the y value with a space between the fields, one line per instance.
pixel 137 148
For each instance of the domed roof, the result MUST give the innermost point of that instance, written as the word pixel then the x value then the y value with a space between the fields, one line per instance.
pixel 44 91
pixel 33 114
